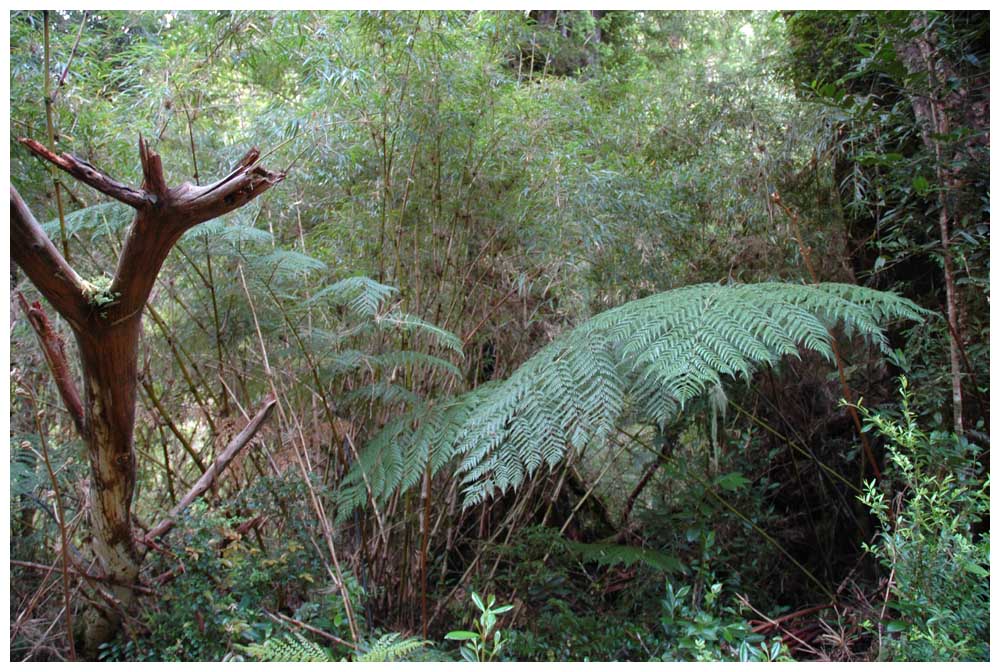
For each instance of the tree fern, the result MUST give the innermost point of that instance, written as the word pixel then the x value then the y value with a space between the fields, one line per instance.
pixel 647 358
pixel 284 264
pixel 25 477
pixel 398 455
pixel 228 235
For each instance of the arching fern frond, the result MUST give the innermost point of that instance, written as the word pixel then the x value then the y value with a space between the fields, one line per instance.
pixel 647 358
pixel 284 264
pixel 362 295
pixel 107 218
pixel 412 323
pixel 233 233
pixel 398 455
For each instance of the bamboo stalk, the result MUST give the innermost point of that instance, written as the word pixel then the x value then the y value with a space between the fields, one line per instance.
pixel 64 546
pixel 51 130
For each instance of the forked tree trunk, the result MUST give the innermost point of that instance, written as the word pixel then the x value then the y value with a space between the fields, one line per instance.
pixel 107 324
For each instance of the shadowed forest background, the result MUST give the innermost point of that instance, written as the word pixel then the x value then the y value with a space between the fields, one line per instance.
pixel 549 335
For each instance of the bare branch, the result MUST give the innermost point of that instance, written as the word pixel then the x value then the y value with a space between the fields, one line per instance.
pixel 55 357
pixel 156 230
pixel 238 443
pixel 246 181
pixel 152 171
pixel 32 250
pixel 90 175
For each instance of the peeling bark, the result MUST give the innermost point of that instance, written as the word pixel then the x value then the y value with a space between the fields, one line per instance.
pixel 55 357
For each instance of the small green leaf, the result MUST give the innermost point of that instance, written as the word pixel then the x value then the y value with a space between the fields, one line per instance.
pixel 478 602
pixel 976 569
pixel 895 626
pixel 461 635
pixel 732 481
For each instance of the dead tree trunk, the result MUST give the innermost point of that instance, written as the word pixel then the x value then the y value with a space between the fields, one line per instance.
pixel 107 322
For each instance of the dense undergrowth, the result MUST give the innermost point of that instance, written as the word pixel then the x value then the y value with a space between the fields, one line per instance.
pixel 576 324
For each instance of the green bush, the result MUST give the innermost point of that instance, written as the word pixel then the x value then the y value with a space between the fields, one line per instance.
pixel 705 629
pixel 217 602
pixel 938 566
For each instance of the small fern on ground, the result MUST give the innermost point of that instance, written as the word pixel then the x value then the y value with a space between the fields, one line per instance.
pixel 389 647
pixel 292 648
pixel 643 360
pixel 295 648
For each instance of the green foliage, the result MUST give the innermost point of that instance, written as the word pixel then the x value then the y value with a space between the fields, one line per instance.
pixel 216 604
pixel 98 292
pixel 464 188
pixel 103 219
pixel 560 633
pixel 652 355
pixel 292 648
pixel 570 620
pixel 295 648
pixel 617 554
pixel 646 358
pixel 487 641
pixel 939 568
pixel 388 648
pixel 397 456
pixel 706 630
pixel 865 73
pixel 25 474
pixel 363 295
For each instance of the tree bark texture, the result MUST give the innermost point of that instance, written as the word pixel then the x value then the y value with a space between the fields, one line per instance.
pixel 935 104
pixel 107 322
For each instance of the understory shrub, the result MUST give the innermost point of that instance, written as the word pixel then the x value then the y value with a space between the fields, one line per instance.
pixel 927 507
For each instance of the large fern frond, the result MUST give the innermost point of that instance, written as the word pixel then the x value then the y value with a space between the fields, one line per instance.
pixel 284 264
pixel 362 295
pixel 400 453
pixel 647 358
pixel 107 218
